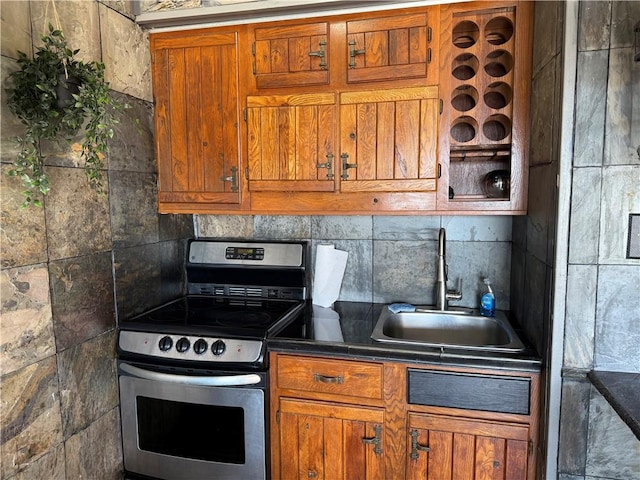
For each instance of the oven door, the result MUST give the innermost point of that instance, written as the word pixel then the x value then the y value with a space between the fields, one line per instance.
pixel 192 427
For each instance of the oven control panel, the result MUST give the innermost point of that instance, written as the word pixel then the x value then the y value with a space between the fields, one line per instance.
pixel 190 348
pixel 263 254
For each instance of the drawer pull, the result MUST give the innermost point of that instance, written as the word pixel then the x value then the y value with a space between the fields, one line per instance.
pixel 376 440
pixel 324 379
pixel 415 446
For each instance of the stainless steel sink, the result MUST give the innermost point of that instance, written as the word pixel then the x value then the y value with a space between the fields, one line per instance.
pixel 450 329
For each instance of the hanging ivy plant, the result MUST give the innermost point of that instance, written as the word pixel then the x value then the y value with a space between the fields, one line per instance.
pixel 55 96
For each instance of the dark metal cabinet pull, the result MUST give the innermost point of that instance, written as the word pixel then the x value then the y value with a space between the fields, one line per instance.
pixel 324 379
pixel 415 446
pixel 233 178
pixel 376 440
pixel 321 55
pixel 328 165
pixel 353 51
pixel 346 165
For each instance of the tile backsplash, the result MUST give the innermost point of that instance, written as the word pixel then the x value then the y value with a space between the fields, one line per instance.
pixel 392 258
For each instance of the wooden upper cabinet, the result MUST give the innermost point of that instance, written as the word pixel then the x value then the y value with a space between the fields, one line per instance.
pixel 295 55
pixel 195 83
pixel 485 78
pixel 388 140
pixel 388 48
pixel 291 142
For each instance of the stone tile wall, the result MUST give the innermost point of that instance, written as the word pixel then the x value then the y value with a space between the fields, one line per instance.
pixel 392 259
pixel 72 268
pixel 602 327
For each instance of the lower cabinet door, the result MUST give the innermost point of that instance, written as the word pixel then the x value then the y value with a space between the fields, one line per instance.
pixel 447 448
pixel 330 441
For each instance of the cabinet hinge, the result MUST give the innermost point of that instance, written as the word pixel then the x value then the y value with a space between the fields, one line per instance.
pixel 244 114
pixel 246 173
pixel 278 417
pixel 429 34
pixel 253 49
pixel 439 170
pixel 441 106
pixel 429 55
pixel 530 447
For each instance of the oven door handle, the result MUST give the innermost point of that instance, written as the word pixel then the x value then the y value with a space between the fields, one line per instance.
pixel 221 381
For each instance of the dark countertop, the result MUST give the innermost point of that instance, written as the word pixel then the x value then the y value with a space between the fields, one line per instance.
pixel 353 339
pixel 622 391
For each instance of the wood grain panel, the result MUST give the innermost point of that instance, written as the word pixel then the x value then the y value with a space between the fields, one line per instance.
pixel 407 143
pixel 385 144
pixel 440 455
pixel 212 138
pixel 282 55
pixel 229 156
pixel 428 154
pixel 162 118
pixel 289 460
pixel 191 40
pixel 198 142
pixel 310 445
pixel 306 151
pixel 366 131
pixel 357 379
pixel 194 162
pixel 177 87
pixel 295 134
pixel 291 100
pixel 387 23
pixel 464 456
pixel 333 452
pixel 394 48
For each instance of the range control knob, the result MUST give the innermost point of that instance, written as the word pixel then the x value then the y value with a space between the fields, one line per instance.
pixel 165 343
pixel 183 345
pixel 200 346
pixel 218 347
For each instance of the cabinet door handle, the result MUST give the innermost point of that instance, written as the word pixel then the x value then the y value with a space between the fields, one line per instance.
pixel 346 166
pixel 415 446
pixel 321 55
pixel 233 178
pixel 325 379
pixel 353 51
pixel 328 165
pixel 376 440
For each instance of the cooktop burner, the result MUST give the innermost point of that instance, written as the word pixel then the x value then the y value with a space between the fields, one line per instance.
pixel 216 315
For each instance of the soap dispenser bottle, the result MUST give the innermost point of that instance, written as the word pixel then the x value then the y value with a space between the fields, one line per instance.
pixel 487 300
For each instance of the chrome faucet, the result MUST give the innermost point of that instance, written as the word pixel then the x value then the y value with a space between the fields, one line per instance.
pixel 442 294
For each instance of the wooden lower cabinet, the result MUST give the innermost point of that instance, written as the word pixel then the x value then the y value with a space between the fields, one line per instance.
pixel 330 441
pixel 334 419
pixel 445 448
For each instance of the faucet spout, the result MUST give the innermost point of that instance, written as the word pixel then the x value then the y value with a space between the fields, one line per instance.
pixel 443 295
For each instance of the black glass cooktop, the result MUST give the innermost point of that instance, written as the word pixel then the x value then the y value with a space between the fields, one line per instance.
pixel 218 316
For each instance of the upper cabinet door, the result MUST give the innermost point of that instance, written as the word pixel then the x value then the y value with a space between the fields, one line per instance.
pixel 389 48
pixel 286 56
pixel 388 140
pixel 195 84
pixel 291 142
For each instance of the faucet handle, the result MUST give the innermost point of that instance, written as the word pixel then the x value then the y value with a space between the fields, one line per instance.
pixel 455 294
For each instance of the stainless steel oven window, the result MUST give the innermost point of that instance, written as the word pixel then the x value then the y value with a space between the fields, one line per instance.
pixel 172 430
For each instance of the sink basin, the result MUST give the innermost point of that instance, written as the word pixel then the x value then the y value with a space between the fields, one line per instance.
pixel 465 330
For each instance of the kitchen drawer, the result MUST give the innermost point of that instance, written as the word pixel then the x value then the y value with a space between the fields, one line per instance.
pixel 469 391
pixel 357 379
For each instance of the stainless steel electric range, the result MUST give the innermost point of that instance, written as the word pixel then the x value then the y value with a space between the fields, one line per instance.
pixel 193 372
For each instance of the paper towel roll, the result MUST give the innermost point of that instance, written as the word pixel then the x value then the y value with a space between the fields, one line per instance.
pixel 326 325
pixel 329 271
